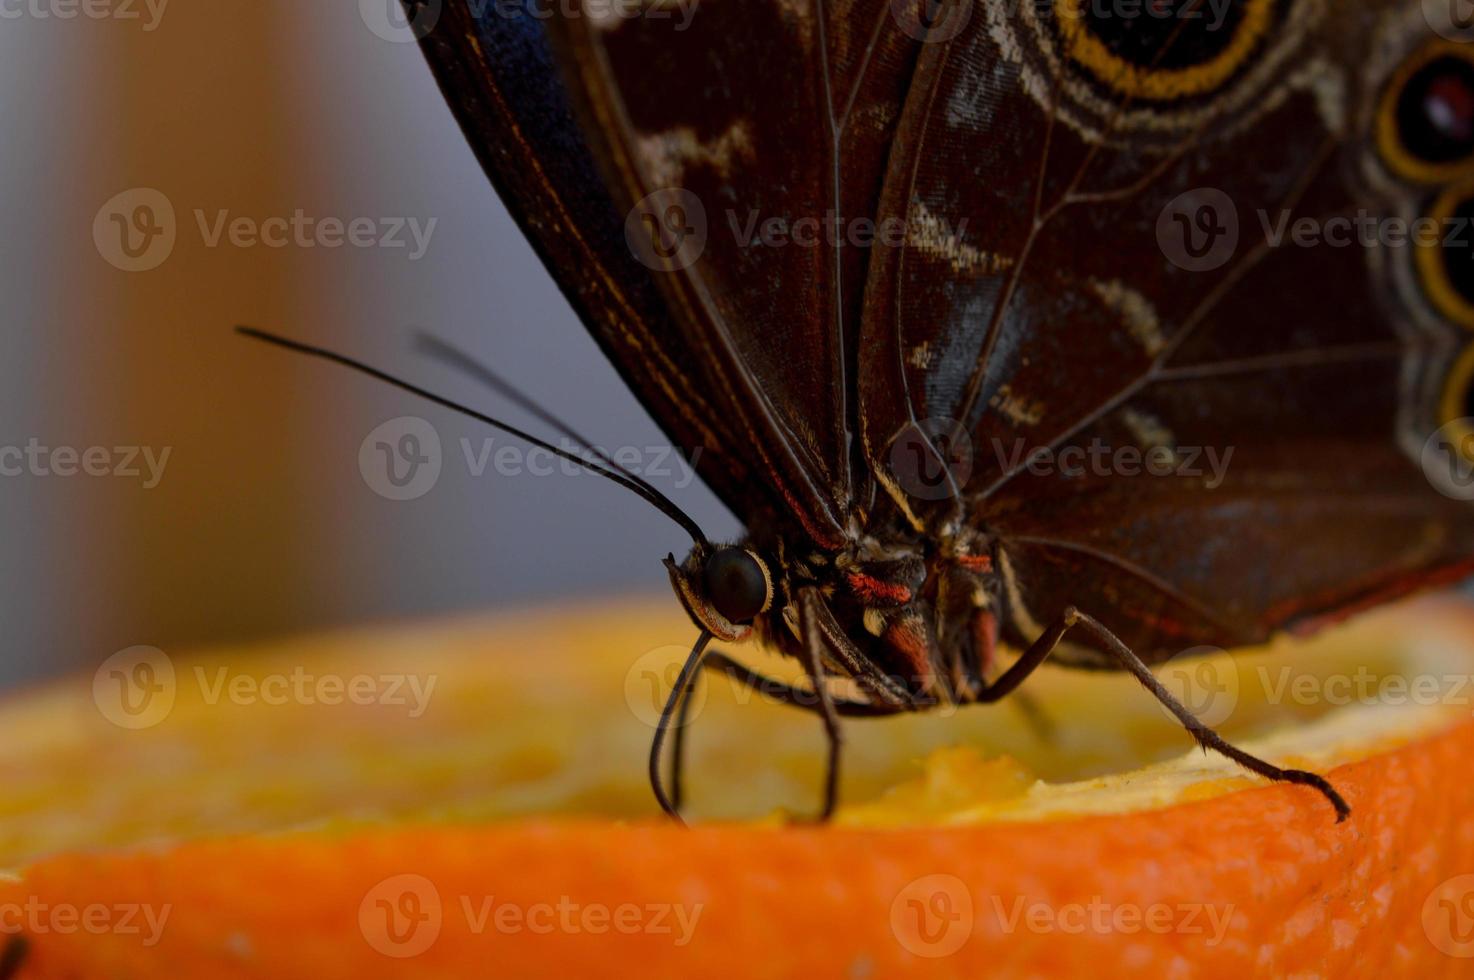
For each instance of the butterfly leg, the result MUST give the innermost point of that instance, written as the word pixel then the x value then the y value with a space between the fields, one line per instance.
pixel 813 644
pixel 978 662
pixel 787 694
pixel 767 687
pixel 678 740
pixel 1205 736
pixel 673 707
pixel 819 633
pixel 876 683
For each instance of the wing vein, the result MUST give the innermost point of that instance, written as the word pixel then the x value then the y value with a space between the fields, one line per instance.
pixel 1129 568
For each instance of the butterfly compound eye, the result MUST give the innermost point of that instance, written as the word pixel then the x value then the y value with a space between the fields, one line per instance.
pixel 737 584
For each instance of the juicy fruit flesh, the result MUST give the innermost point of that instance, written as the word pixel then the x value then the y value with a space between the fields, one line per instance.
pixel 548 713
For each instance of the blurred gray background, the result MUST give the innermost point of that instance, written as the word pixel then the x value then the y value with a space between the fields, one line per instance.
pixel 262 522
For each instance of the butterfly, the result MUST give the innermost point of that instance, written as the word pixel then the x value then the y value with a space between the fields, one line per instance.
pixel 1077 327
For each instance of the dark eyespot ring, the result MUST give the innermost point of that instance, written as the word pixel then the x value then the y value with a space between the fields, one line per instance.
pixel 737 584
pixel 1178 49
pixel 1425 123
pixel 1445 258
pixel 1457 402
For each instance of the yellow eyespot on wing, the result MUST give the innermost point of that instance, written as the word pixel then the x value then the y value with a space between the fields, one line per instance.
pixel 1168 84
pixel 1391 142
pixel 1453 407
pixel 1433 251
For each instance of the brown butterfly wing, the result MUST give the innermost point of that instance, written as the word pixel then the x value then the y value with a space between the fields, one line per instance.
pixel 497 70
pixel 763 114
pixel 1059 320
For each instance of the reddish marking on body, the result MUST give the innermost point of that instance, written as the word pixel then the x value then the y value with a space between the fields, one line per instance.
pixel 908 638
pixel 876 592
pixel 826 537
pixel 976 563
pixel 1165 625
pixel 985 635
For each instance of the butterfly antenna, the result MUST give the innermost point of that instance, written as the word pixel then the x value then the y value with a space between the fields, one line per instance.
pixel 453 357
pixel 613 473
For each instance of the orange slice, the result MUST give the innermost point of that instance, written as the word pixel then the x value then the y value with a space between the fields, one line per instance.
pixel 468 800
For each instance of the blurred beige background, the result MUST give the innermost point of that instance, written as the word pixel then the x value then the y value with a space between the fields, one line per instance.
pixel 262 522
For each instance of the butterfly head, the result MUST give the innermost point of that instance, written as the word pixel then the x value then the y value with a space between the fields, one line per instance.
pixel 724 588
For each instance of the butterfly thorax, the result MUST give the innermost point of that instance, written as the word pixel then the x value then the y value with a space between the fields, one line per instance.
pixel 908 617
